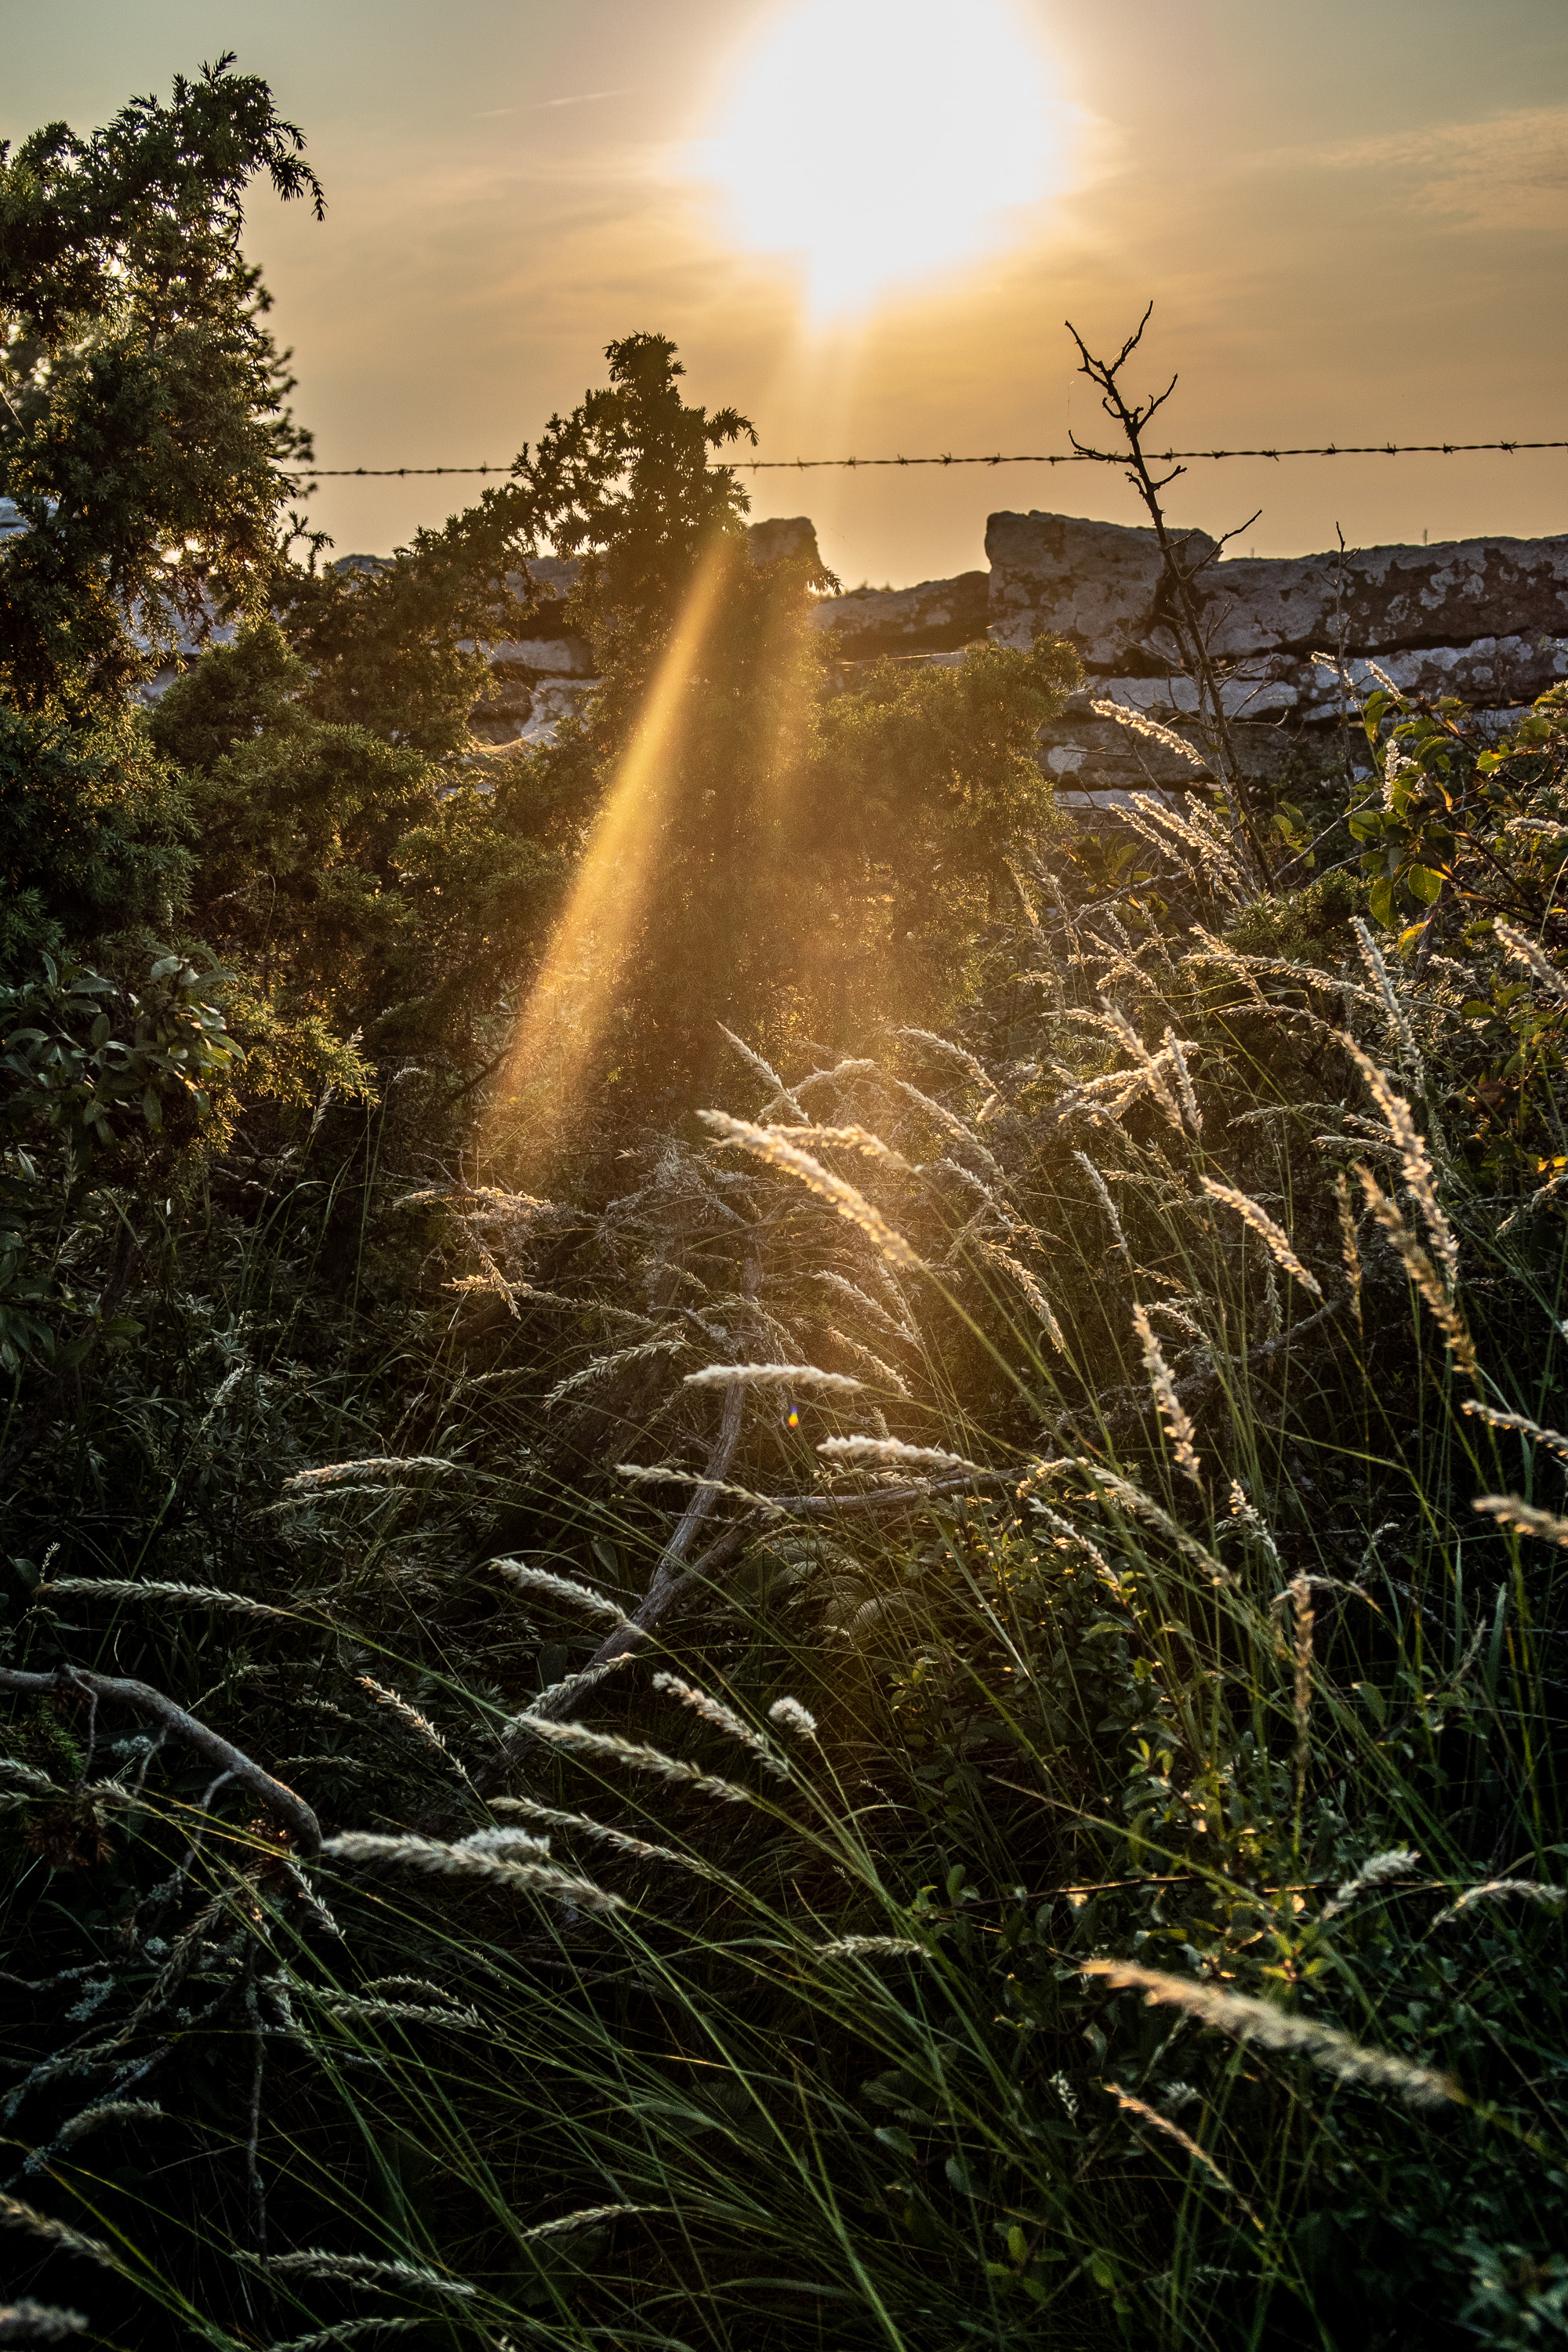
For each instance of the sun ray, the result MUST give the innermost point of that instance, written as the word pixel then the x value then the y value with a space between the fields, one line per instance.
pixel 564 1018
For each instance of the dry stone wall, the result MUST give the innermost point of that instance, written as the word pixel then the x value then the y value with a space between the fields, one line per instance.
pixel 1485 619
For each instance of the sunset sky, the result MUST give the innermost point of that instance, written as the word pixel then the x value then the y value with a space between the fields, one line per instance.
pixel 864 221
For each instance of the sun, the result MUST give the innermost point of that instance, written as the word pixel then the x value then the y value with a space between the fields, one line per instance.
pixel 881 142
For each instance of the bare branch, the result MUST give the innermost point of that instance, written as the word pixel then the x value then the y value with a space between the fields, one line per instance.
pixel 289 1808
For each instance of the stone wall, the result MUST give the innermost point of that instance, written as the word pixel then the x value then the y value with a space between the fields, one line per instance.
pixel 1486 619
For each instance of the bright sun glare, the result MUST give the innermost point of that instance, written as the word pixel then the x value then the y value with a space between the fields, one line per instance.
pixel 884 142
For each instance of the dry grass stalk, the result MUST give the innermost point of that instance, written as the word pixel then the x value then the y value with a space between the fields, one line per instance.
pixel 345 2331
pixel 360 2270
pixel 949 1120
pixel 1372 956
pixel 1525 950
pixel 1118 1237
pixel 1151 1065
pixel 522 1845
pixel 1551 1438
pixel 1513 1511
pixel 111 2111
pixel 1246 1516
pixel 1300 1590
pixel 860 1451
pixel 712 1710
pixel 1178 1053
pixel 1276 1239
pixel 790 1716
pixel 847 1139
pixel 1378 1870
pixel 868 1305
pixel 1140 723
pixel 1069 1534
pixel 39 2322
pixel 382 1467
pixel 636 1849
pixel 671 1343
pixel 949 1045
pixel 1422 1272
pixel 1245 2020
pixel 560 1588
pixel 867 1947
pixel 1183 2140
pixel 583 2220
pixel 1349 1248
pixel 1174 1414
pixel 1529 1890
pixel 764 1070
pixel 1035 1297
pixel 1140 1505
pixel 198 1596
pixel 15 2215
pixel 419 1725
pixel 658 1473
pixel 443 1861
pixel 772 1376
pixel 885 1373
pixel 1415 1163
pixel 772 1146
pixel 608 1748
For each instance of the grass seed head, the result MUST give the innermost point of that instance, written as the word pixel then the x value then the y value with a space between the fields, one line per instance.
pixel 1245 2020
pixel 1173 1414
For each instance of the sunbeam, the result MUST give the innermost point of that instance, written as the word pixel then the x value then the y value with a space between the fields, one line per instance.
pixel 564 1018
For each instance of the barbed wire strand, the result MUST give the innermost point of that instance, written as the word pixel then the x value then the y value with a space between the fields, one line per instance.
pixel 1057 457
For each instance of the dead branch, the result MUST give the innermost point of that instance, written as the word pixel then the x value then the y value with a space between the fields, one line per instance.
pixel 1184 616
pixel 289 1808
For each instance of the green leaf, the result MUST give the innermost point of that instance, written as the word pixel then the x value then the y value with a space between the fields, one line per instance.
pixel 892 2136
pixel 1372 1698
pixel 1380 903
pixel 1425 882
pixel 151 1110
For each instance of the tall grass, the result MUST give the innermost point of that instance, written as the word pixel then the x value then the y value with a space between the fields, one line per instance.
pixel 1076 1857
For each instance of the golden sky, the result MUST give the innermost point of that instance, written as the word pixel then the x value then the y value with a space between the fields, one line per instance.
pixel 864 221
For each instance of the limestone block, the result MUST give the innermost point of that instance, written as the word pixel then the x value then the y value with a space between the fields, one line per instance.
pixel 937 615
pixel 1393 597
pixel 793 536
pixel 1490 613
pixel 1096 584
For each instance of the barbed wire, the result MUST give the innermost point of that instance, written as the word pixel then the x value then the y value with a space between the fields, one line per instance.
pixel 1049 458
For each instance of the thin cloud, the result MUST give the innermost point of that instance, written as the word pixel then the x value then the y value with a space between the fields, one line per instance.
pixel 1508 172
pixel 543 105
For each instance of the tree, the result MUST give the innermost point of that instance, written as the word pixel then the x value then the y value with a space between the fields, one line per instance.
pixel 142 429
pixel 143 436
